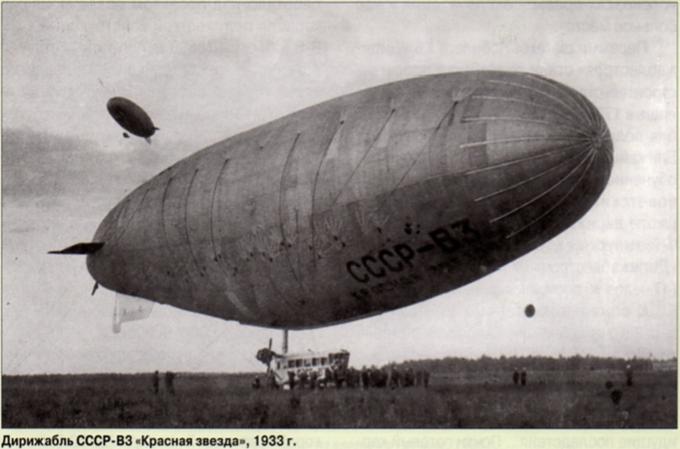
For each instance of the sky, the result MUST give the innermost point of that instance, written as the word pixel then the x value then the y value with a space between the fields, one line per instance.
pixel 607 286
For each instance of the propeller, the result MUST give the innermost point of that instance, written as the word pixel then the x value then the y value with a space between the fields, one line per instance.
pixel 265 355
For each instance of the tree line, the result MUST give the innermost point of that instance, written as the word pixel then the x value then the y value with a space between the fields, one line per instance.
pixel 534 363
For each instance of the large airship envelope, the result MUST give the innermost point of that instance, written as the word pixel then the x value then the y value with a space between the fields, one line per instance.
pixel 131 117
pixel 362 204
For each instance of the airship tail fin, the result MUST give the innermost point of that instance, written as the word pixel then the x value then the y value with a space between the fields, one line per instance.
pixel 148 140
pixel 80 248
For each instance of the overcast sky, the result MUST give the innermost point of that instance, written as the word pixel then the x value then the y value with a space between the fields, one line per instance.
pixel 606 286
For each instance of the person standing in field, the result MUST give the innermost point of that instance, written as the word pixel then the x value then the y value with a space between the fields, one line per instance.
pixel 523 376
pixel 272 381
pixel 515 376
pixel 156 381
pixel 328 376
pixel 303 379
pixel 313 379
pixel 169 382
pixel 629 375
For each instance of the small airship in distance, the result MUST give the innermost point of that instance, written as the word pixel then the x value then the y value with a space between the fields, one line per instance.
pixel 131 117
pixel 362 204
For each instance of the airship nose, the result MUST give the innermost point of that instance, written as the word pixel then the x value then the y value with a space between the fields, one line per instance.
pixel 545 156
pixel 103 267
pixel 113 267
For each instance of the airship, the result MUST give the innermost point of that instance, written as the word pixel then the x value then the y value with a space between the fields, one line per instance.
pixel 360 205
pixel 131 117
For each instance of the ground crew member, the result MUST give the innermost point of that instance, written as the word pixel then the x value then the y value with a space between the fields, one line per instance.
pixel 156 381
pixel 515 377
pixel 352 377
pixel 328 377
pixel 523 376
pixel 629 375
pixel 291 379
pixel 169 382
pixel 256 383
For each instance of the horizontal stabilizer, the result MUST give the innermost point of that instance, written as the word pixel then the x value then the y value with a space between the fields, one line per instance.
pixel 80 248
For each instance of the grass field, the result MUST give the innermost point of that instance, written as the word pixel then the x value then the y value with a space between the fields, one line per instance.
pixel 552 399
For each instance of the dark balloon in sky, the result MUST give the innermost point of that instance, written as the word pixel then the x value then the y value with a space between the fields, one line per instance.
pixel 131 117
pixel 529 310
